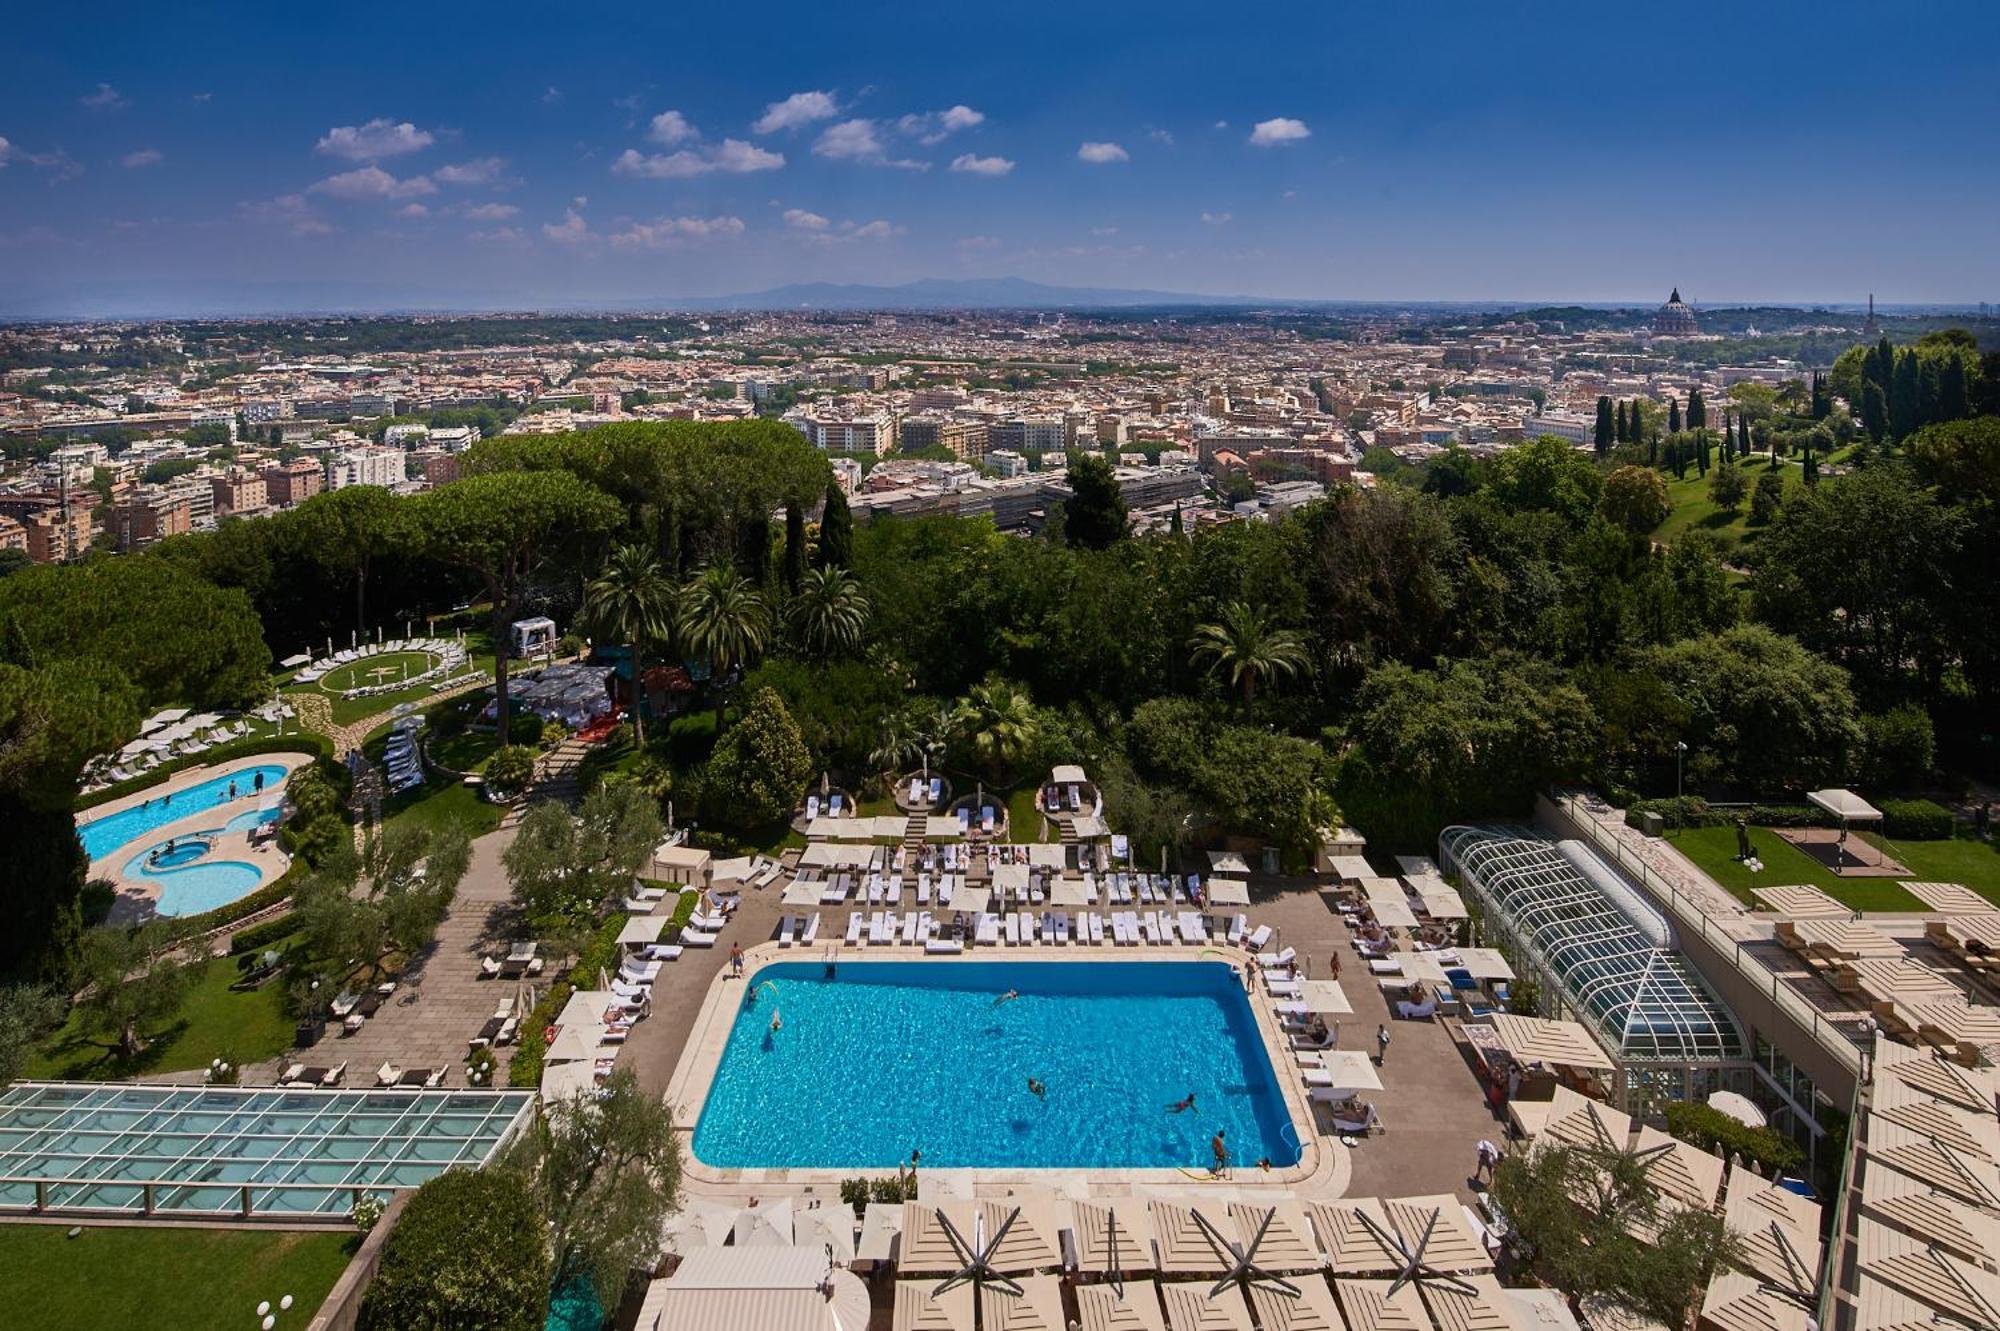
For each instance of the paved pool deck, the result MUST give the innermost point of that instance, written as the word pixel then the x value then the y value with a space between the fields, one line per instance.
pixel 136 895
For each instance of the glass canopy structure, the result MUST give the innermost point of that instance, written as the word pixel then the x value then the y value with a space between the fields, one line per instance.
pixel 1595 942
pixel 236 1150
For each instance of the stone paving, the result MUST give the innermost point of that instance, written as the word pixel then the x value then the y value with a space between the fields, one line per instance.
pixel 451 1002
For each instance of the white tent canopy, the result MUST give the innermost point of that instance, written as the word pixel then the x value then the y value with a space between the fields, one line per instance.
pixel 1846 806
pixel 1228 892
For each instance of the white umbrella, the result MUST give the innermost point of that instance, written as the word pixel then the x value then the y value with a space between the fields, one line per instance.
pixel 1738 1107
pixel 768 1226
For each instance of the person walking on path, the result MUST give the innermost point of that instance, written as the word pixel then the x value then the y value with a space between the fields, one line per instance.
pixel 736 959
pixel 1381 1045
pixel 1489 1160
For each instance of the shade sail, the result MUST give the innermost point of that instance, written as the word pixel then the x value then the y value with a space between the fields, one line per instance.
pixel 1437 1225
pixel 1199 1306
pixel 1185 1247
pixel 1134 1306
pixel 1307 1306
pixel 1112 1235
pixel 1845 805
pixel 1541 1040
pixel 921 1306
pixel 1033 1304
pixel 1354 1245
pixel 1026 1230
pixel 1287 1242
pixel 928 1246
pixel 1377 1305
pixel 1228 892
pixel 1949 898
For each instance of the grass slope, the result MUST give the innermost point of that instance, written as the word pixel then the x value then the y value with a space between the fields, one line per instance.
pixel 1973 863
pixel 165 1279
pixel 249 1026
pixel 1694 511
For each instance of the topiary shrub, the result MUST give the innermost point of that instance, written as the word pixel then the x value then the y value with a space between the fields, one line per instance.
pixel 470 1249
pixel 509 770
pixel 1916 820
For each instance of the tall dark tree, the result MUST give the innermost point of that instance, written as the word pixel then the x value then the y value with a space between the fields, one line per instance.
pixel 1701 452
pixel 1606 432
pixel 1619 430
pixel 836 530
pixel 1954 392
pixel 1673 415
pixel 1095 517
pixel 753 547
pixel 1906 394
pixel 795 547
pixel 1697 416
pixel 1175 526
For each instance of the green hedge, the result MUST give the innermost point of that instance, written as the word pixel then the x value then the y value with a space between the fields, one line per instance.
pixel 1713 1130
pixel 1916 820
pixel 304 741
pixel 260 936
pixel 1909 820
pixel 525 1069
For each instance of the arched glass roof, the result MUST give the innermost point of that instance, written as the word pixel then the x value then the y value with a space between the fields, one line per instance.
pixel 1613 953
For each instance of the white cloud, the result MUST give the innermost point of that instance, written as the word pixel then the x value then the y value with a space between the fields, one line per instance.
pixel 106 98
pixel 413 210
pixel 572 230
pixel 290 211
pixel 372 182
pixel 1100 153
pixel 818 230
pixel 491 212
pixel 803 220
pixel 373 141
pixel 202 97
pixel 933 127
pixel 550 97
pixel 1222 124
pixel 479 171
pixel 143 157
pixel 1161 136
pixel 979 242
pixel 801 108
pixel 503 235
pixel 731 156
pixel 6 150
pixel 1279 130
pixel 664 233
pixel 670 128
pixel 981 166
pixel 876 230
pixel 1217 219
pixel 849 140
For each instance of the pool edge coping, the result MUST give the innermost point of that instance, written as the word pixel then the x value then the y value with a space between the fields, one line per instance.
pixel 708 1037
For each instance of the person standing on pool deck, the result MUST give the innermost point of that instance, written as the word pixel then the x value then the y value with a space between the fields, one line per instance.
pixel 1220 1149
pixel 1381 1045
pixel 736 959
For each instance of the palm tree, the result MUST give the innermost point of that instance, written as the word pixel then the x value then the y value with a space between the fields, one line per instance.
pixel 726 620
pixel 1250 647
pixel 997 722
pixel 829 611
pixel 633 601
pixel 901 740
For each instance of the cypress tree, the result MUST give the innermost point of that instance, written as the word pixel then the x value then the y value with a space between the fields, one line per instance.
pixel 1906 395
pixel 795 546
pixel 1603 436
pixel 836 530
pixel 1954 395
pixel 1637 425
pixel 1743 426
pixel 1697 417
pixel 1874 410
pixel 1623 431
pixel 753 547
pixel 1673 415
pixel 1652 452
pixel 1701 456
pixel 1175 525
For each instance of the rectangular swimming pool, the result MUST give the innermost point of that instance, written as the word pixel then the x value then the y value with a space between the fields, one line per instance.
pixel 879 1059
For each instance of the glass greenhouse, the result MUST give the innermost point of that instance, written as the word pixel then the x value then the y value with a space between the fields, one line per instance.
pixel 229 1150
pixel 1591 939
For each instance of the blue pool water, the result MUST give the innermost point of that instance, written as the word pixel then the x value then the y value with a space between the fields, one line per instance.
pixel 894 1056
pixel 190 882
pixel 101 836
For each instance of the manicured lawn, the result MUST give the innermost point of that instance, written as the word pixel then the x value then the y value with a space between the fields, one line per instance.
pixel 213 1021
pixel 1694 511
pixel 440 802
pixel 168 1279
pixel 1972 863
pixel 346 711
pixel 1024 820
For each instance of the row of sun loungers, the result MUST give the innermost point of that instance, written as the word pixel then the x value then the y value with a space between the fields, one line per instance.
pixel 402 764
pixel 1020 928
pixel 301 1076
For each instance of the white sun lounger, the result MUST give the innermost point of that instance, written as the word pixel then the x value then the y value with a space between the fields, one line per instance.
pixel 1259 939
pixel 1237 926
pixel 1097 930
pixel 661 952
pixel 812 807
pixel 1013 930
pixel 696 938
pixel 1149 923
pixel 1289 989
pixel 784 931
pixel 1284 958
pixel 910 928
pixel 854 924
pixel 936 946
pixel 1193 928
pixel 639 972
pixel 924 889
pixel 811 931
pixel 986 932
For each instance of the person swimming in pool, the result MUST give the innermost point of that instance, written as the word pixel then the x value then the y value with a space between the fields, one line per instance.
pixel 1182 1106
pixel 258 784
pixel 1036 1089
pixel 777 1023
pixel 1007 997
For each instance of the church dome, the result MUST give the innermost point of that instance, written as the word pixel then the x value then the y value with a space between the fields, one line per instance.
pixel 1674 318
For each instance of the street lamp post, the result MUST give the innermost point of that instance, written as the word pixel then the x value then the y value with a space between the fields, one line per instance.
pixel 1680 810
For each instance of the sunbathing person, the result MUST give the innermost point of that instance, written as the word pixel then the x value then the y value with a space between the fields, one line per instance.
pixel 1182 1106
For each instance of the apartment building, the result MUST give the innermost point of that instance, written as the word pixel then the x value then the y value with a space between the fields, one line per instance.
pixel 239 491
pixel 287 484
pixel 872 433
pixel 368 465
pixel 13 536
pixel 148 516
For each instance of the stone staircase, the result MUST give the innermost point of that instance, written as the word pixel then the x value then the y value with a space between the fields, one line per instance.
pixel 913 846
pixel 558 776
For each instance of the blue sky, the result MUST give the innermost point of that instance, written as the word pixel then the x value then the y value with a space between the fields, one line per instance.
pixel 1782 151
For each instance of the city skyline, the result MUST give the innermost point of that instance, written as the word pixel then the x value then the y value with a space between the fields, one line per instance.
pixel 294 161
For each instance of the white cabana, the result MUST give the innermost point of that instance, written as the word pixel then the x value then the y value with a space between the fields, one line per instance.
pixel 1228 892
pixel 824 855
pixel 735 870
pixel 1068 774
pixel 673 863
pixel 641 929
pixel 1227 861
pixel 1850 809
